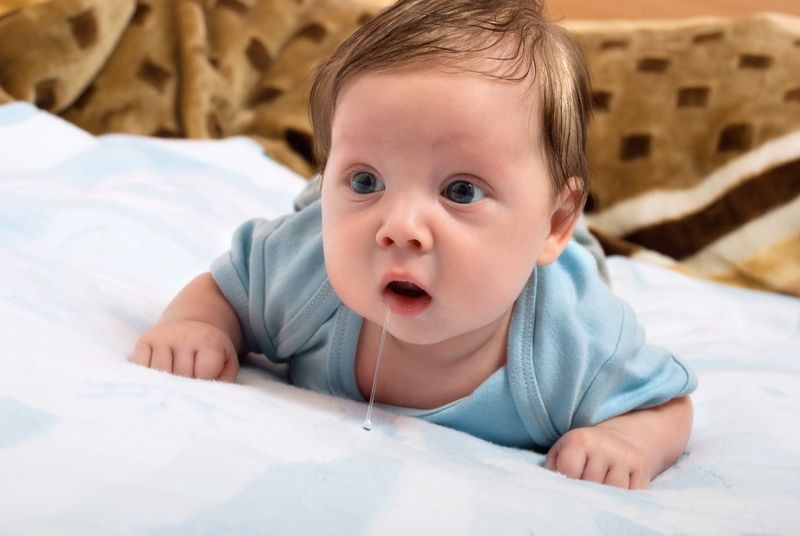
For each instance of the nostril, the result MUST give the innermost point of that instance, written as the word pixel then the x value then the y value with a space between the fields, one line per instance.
pixel 386 241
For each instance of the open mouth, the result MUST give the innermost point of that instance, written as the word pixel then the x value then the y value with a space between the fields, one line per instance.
pixel 406 298
pixel 406 289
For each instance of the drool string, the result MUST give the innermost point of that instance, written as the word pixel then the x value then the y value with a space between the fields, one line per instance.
pixel 367 422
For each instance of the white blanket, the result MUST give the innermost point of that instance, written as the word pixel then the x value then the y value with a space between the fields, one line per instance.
pixel 97 234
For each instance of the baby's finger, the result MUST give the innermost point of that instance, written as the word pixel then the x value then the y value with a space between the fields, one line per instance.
pixel 551 461
pixel 619 477
pixel 208 363
pixel 183 362
pixel 142 353
pixel 570 462
pixel 162 359
pixel 595 470
pixel 231 367
pixel 639 480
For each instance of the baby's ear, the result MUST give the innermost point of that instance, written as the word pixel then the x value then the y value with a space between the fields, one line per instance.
pixel 563 218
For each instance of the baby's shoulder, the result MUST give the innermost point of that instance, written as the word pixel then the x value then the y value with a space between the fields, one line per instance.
pixel 573 280
pixel 284 234
pixel 574 310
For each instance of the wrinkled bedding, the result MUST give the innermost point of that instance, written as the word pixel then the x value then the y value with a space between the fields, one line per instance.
pixel 98 233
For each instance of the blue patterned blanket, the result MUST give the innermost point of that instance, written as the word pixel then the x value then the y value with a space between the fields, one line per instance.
pixel 97 234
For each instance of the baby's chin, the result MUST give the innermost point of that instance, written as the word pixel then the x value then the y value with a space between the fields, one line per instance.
pixel 402 330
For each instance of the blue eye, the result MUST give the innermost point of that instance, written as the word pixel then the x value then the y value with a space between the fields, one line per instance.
pixel 364 183
pixel 463 192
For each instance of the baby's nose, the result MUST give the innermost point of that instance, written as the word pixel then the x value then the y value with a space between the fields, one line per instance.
pixel 405 226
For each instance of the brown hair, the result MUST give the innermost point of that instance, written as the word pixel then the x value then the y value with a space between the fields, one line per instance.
pixel 416 30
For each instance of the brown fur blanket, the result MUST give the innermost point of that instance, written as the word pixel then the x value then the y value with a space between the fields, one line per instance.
pixel 694 147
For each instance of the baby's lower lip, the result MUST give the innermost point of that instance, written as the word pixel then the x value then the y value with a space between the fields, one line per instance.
pixel 405 305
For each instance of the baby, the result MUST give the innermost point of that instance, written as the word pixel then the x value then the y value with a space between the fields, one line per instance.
pixel 450 136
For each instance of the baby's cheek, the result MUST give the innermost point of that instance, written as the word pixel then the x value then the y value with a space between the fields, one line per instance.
pixel 350 287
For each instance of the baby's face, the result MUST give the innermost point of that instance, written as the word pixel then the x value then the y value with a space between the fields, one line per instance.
pixel 435 201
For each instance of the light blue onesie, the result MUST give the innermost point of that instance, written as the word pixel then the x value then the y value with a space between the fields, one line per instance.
pixel 576 354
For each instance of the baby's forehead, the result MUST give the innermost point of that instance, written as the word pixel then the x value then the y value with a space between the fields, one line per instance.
pixel 449 102
pixel 525 93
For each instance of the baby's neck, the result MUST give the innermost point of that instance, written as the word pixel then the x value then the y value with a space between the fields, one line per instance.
pixel 429 376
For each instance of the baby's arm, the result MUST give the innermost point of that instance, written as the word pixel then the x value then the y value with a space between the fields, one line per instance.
pixel 625 451
pixel 197 336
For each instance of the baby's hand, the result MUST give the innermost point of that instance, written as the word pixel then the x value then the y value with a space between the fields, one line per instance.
pixel 188 348
pixel 601 455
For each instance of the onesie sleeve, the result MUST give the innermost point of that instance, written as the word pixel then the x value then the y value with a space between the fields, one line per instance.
pixel 636 375
pixel 274 278
pixel 588 360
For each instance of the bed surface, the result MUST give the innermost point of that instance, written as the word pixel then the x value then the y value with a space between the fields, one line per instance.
pixel 98 233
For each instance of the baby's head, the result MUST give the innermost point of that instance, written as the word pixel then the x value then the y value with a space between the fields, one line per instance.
pixel 451 136
pixel 462 34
